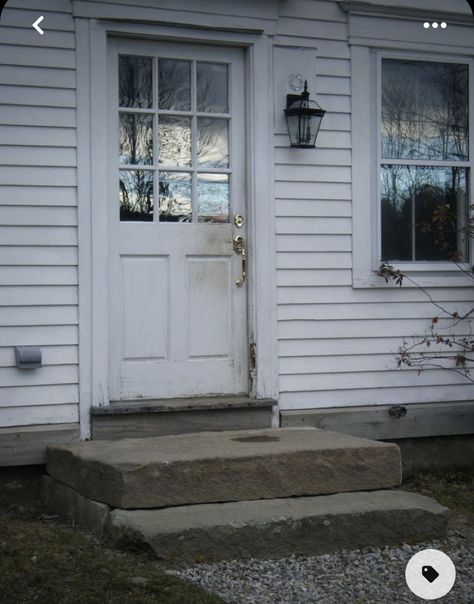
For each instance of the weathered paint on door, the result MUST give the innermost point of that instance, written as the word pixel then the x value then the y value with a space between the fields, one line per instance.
pixel 177 317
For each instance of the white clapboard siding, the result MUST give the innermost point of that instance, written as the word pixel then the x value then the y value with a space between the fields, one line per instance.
pixel 38 136
pixel 61 374
pixel 38 315
pixel 38 213
pixel 37 196
pixel 337 345
pixel 403 395
pixel 35 255
pixel 38 275
pixel 38 335
pixel 38 295
pixel 37 156
pixel 313 207
pixel 46 414
pixel 38 235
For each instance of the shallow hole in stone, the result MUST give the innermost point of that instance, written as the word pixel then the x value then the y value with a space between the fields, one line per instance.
pixel 257 439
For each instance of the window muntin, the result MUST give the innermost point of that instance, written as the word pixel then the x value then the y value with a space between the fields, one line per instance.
pixel 174 140
pixel 424 148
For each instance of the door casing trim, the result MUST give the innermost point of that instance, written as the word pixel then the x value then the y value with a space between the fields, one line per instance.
pixel 91 42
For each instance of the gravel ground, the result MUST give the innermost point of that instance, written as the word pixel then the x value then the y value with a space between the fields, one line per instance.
pixel 369 576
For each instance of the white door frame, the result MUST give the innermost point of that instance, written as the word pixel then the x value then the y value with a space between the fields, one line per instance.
pixel 91 38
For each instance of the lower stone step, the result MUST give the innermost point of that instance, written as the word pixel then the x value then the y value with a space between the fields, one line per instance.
pixel 223 466
pixel 263 529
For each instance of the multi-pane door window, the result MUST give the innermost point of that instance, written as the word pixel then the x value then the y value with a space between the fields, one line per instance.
pixel 174 123
pixel 424 167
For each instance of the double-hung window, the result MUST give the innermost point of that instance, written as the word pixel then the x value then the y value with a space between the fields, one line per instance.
pixel 423 160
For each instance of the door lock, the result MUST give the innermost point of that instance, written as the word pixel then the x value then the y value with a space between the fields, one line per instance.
pixel 239 221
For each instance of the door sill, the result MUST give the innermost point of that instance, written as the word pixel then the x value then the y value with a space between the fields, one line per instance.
pixel 181 404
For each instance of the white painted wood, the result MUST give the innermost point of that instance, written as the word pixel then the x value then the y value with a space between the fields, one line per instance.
pixel 38 335
pixel 32 295
pixel 41 256
pixel 42 275
pixel 313 208
pixel 189 336
pixel 213 14
pixel 28 136
pixel 313 260
pixel 18 176
pixel 37 76
pixel 37 156
pixel 33 416
pixel 11 377
pixel 403 395
pixel 39 315
pixel 41 196
pixel 16 16
pixel 38 235
pixel 37 216
pixel 38 396
pixel 307 225
pixel 316 243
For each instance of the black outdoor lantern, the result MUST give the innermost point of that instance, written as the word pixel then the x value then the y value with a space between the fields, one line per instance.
pixel 303 119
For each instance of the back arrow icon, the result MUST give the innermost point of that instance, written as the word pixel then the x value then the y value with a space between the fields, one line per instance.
pixel 37 27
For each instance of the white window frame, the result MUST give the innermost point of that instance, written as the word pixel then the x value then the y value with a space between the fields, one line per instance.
pixel 366 108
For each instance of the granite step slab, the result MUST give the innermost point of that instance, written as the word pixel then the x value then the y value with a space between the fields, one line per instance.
pixel 271 528
pixel 225 466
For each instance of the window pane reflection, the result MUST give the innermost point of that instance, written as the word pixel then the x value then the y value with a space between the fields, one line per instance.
pixel 136 195
pixel 424 110
pixel 136 139
pixel 213 198
pixel 212 88
pixel 175 197
pixel 213 143
pixel 174 84
pixel 175 140
pixel 135 82
pixel 424 213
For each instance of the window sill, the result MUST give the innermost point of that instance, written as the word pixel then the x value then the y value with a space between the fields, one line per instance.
pixel 426 274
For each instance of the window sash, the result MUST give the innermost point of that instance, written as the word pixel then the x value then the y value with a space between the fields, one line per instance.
pixel 421 265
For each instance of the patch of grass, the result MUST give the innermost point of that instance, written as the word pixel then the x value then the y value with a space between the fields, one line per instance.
pixel 46 562
pixel 454 490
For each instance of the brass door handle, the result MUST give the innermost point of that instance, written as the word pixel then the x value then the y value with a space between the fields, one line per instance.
pixel 239 249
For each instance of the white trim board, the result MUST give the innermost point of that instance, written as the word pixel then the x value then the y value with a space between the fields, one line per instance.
pixel 92 165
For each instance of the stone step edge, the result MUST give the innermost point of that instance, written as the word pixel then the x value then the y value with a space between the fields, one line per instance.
pixel 271 528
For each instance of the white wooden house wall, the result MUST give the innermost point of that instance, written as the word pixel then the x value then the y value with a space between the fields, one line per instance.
pixel 38 214
pixel 335 342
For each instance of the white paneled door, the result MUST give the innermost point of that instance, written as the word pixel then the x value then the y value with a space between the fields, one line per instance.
pixel 177 293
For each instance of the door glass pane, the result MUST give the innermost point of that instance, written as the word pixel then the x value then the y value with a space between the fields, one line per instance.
pixel 212 88
pixel 175 197
pixel 135 82
pixel 425 110
pixel 424 213
pixel 175 140
pixel 174 84
pixel 213 143
pixel 136 138
pixel 213 197
pixel 136 195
